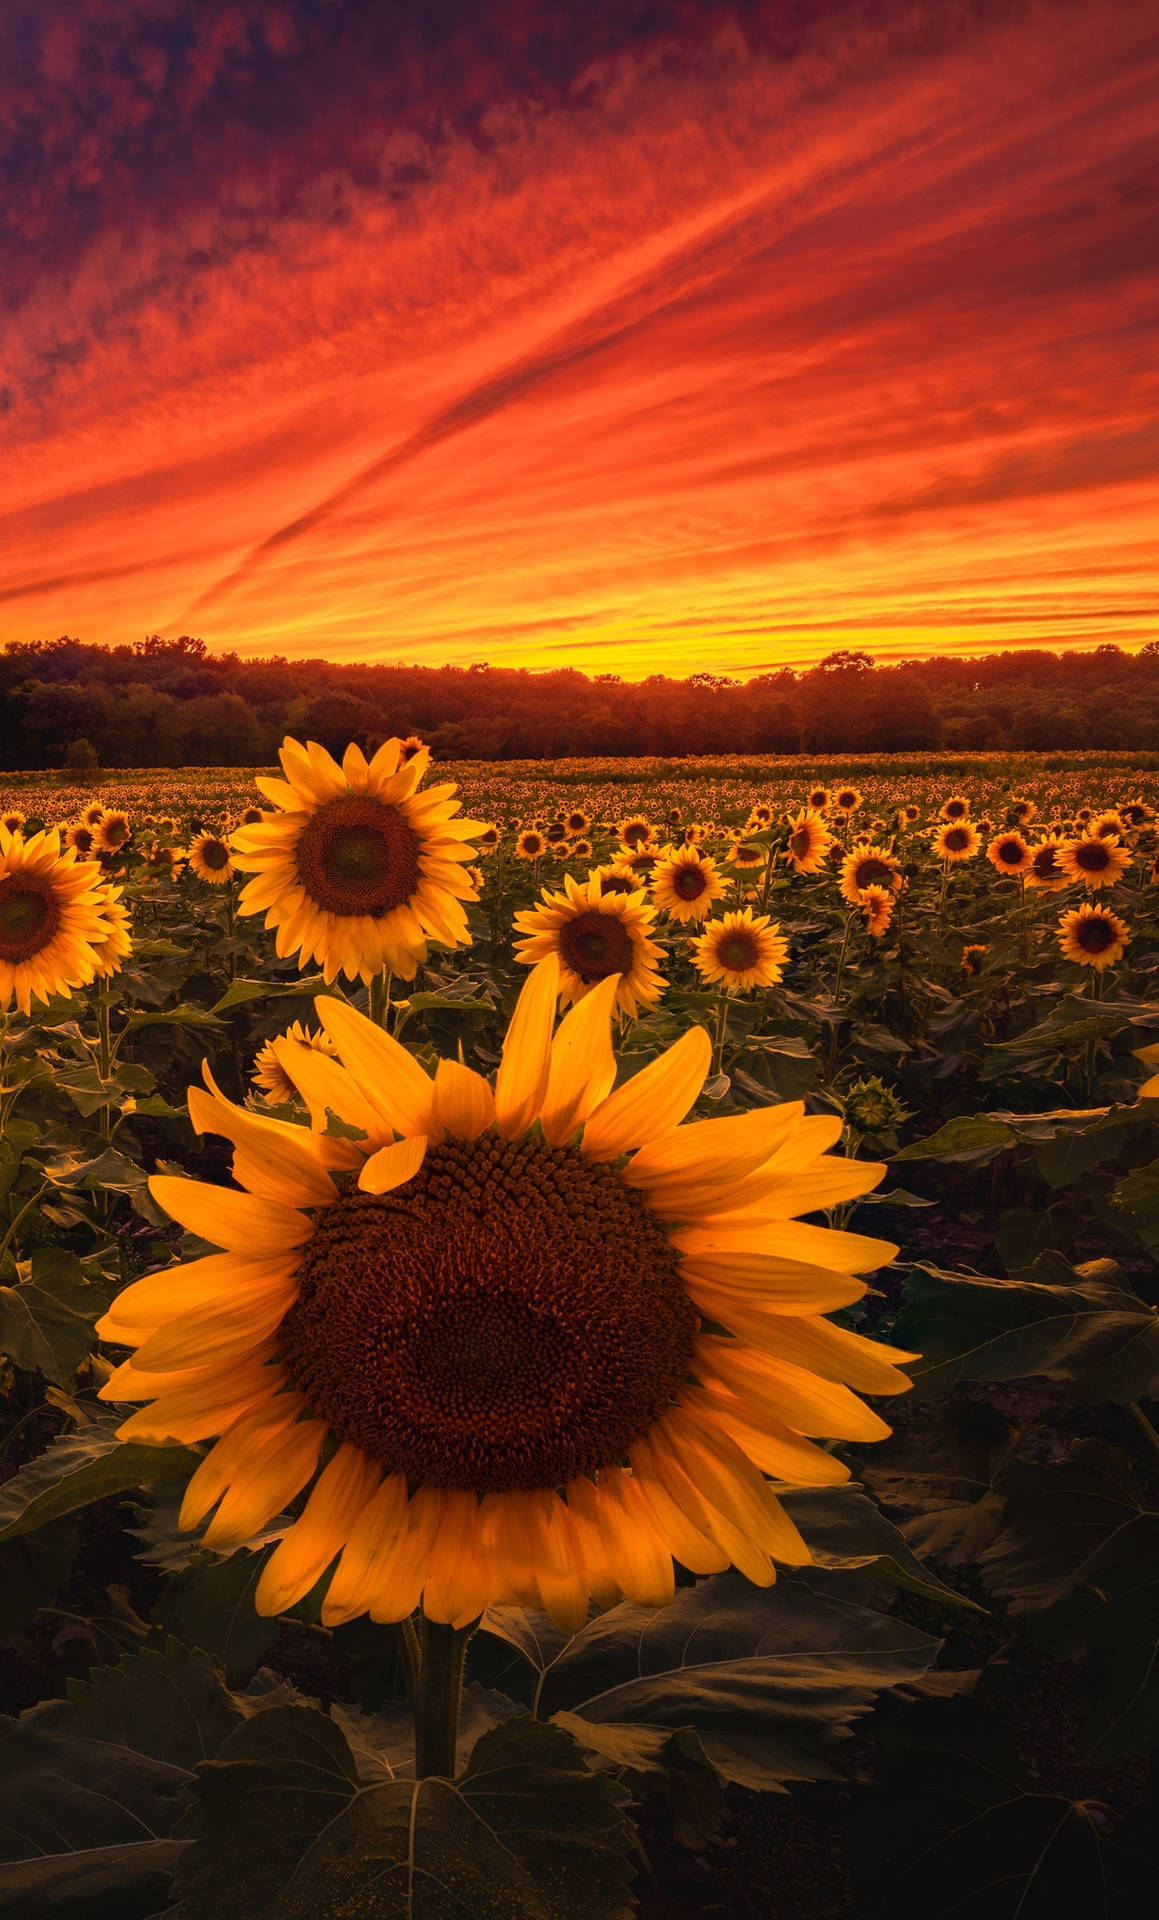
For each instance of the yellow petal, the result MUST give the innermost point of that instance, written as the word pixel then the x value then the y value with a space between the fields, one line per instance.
pixel 240 1222
pixel 398 1577
pixel 794 1395
pixel 327 1087
pixel 456 1580
pixel 372 1538
pixel 781 1195
pixel 390 1077
pixel 583 1066
pixel 713 1152
pixel 245 1438
pixel 638 1558
pixel 653 1102
pixel 343 1489
pixel 803 1290
pixel 270 1150
pixel 837 1353
pixel 695 1550
pixel 204 1337
pixel 771 1446
pixel 463 1104
pixel 392 1166
pixel 198 1413
pixel 521 1082
pixel 789 1239
pixel 733 1485
pixel 218 1279
pixel 265 1483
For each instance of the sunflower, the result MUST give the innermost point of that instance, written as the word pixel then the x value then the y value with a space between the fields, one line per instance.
pixel 594 936
pixel 818 799
pixel 672 817
pixel 92 814
pixel 409 749
pixel 640 861
pixel 555 834
pixel 616 878
pixel 53 922
pixel 252 817
pixel 635 831
pixel 1136 813
pixel 209 859
pixel 576 822
pixel 1109 825
pixel 958 840
pixel 165 862
pixel 1149 1056
pixel 13 820
pixel 847 799
pixel 972 959
pixel 867 866
pixel 78 835
pixel 1022 811
pixel 530 844
pixel 686 883
pixel 741 950
pixel 1044 870
pixel 269 1076
pixel 1096 862
pixel 477 1324
pixel 876 904
pixel 1085 815
pixel 581 850
pixel 112 833
pixel 360 869
pixel 760 816
pixel 488 837
pixel 746 856
pixel 1008 853
pixel 694 833
pixel 112 952
pixel 1093 936
pixel 911 814
pixel 809 841
pixel 957 807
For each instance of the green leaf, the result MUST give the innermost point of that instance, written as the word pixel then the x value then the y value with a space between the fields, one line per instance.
pixel 769 1679
pixel 79 1468
pixel 33 1569
pixel 973 1140
pixel 1078 1324
pixel 940 1474
pixel 46 1323
pixel 211 1605
pixel 1138 1197
pixel 239 992
pixel 844 1529
pixel 1081 1547
pixel 287 1830
pixel 955 1829
pixel 183 1016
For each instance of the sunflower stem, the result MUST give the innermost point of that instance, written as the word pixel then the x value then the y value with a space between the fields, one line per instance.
pixel 849 919
pixel 380 999
pixel 412 1659
pixel 104 1055
pixel 1144 1425
pixel 721 1024
pixel 440 1690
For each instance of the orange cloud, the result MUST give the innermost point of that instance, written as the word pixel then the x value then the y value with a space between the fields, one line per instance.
pixel 722 360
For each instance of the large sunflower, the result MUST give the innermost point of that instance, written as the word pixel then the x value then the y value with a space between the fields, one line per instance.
pixel 359 870
pixel 1093 860
pixel 1009 854
pixel 809 841
pixel 594 935
pixel 867 866
pixel 209 859
pixel 1044 871
pixel 1093 936
pixel 741 950
pixel 685 883
pixel 959 840
pixel 500 1323
pixel 53 919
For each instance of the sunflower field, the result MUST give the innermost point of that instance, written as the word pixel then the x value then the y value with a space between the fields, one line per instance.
pixel 580 1341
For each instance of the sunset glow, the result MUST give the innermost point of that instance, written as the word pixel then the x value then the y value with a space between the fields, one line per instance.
pixel 719 348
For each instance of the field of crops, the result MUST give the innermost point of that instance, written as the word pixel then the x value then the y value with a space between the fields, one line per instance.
pixel 819 1238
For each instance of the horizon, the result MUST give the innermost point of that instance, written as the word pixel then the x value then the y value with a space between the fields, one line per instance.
pixel 724 336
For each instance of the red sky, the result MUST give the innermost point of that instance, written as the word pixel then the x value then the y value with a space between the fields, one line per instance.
pixel 622 338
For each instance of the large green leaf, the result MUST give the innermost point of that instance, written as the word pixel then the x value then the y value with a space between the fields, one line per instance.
pixel 955 1829
pixel 1078 1324
pixel 770 1679
pixel 82 1467
pixel 211 1605
pixel 240 992
pixel 940 1473
pixel 845 1530
pixel 288 1829
pixel 1080 1553
pixel 33 1569
pixel 46 1323
pixel 970 1141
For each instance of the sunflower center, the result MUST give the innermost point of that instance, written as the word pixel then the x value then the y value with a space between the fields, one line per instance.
pixel 956 840
pixel 1095 936
pixel 511 1318
pixel 358 856
pixel 738 952
pixel 215 854
pixel 800 843
pixel 596 944
pixel 871 870
pixel 689 882
pixel 1093 858
pixel 29 916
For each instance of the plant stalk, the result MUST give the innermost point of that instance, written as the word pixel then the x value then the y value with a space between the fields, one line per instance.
pixel 380 999
pixel 440 1691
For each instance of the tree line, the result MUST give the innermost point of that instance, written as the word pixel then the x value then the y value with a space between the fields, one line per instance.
pixel 171 703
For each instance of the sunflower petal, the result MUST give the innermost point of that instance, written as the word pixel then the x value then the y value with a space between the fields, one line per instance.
pixel 583 1066
pixel 239 1222
pixel 653 1102
pixel 393 1166
pixel 521 1082
pixel 343 1488
pixel 463 1103
pixel 390 1077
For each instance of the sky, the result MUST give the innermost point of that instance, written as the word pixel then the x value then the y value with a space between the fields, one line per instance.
pixel 628 337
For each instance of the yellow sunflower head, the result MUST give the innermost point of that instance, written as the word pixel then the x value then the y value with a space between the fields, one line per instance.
pixel 253 817
pixel 1008 853
pixel 760 816
pixel 638 860
pixel 911 814
pixel 1085 815
pixel 876 904
pixel 1093 861
pixel 972 958
pixel 359 869
pixel 576 822
pixel 747 856
pixel 1109 825
pixel 530 844
pixel 957 840
pixel 809 841
pixel 594 935
pixel 210 860
pixel 581 850
pixel 1136 813
pixel 112 952
pixel 741 950
pixel 1022 811
pixel 1044 871
pixel 92 814
pixel 270 1077
pixel 489 837
pixel 847 799
pixel 490 1314
pixel 818 799
pixel 1093 936
pixel 616 878
pixel 635 831
pixel 12 820
pixel 53 922
pixel 957 807
pixel 685 883
pixel 81 837
pixel 113 832
pixel 410 748
pixel 867 866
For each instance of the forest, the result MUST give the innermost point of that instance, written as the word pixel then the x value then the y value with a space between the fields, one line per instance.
pixel 172 702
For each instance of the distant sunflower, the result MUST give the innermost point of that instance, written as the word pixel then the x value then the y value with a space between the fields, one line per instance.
pixel 92 814
pixel 360 869
pixel 488 837
pixel 594 936
pixel 1085 815
pixel 1136 813
pixel 694 833
pixel 1009 854
pixel 1095 862
pixel 747 857
pixel 209 859
pixel 164 863
pixel 760 816
pixel 576 822
pixel 911 813
pixel 530 844
pixel 1022 811
pixel 616 878
pixel 809 841
pixel 1109 825
pixel 867 866
pixel 53 922
pixel 581 850
pixel 876 904
pixel 1044 871
pixel 972 958
pixel 741 950
pixel 271 1078
pixel 685 884
pixel 112 833
pixel 252 817
pixel 555 833
pixel 80 837
pixel 958 840
pixel 818 799
pixel 673 817
pixel 528 1418
pixel 847 799
pixel 1093 936
pixel 638 860
pixel 957 807
pixel 635 831
pixel 410 748
pixel 112 952
pixel 13 820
